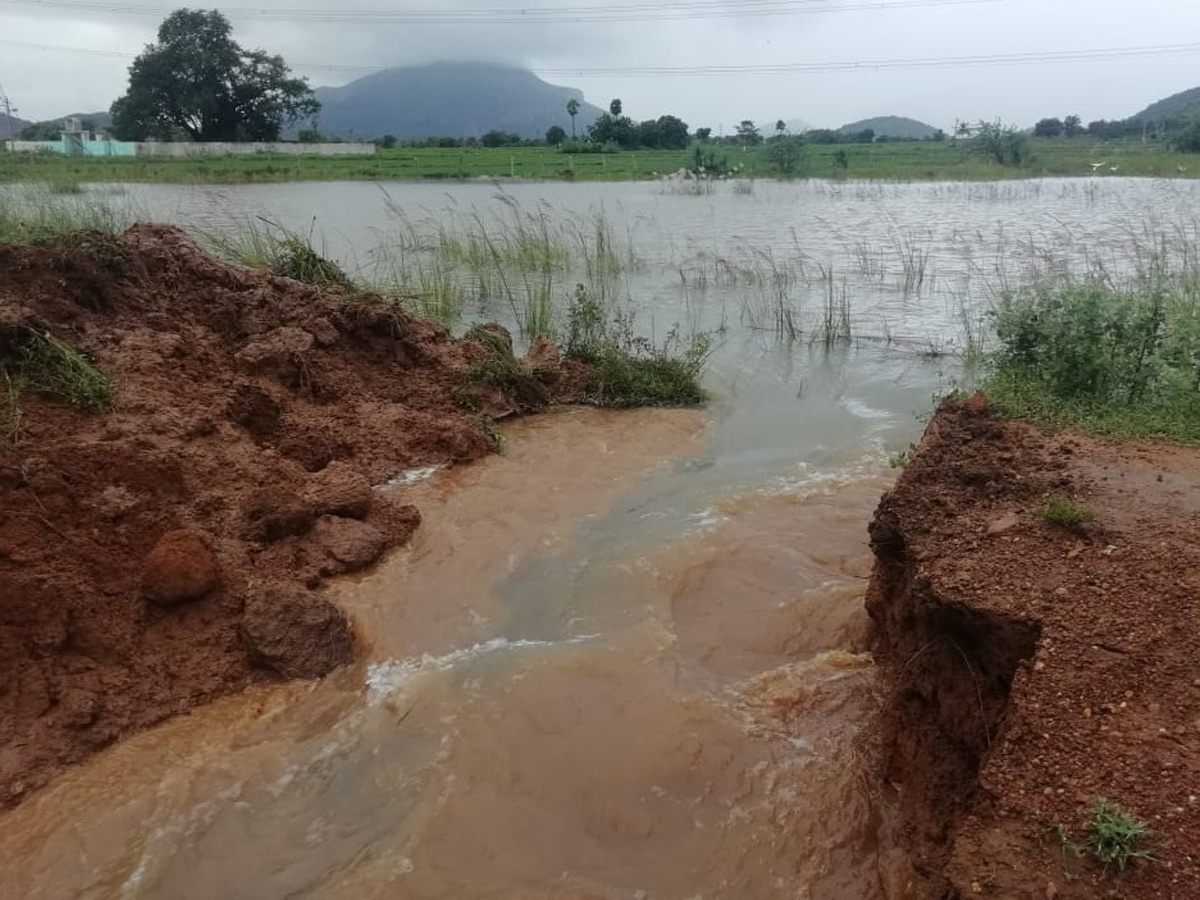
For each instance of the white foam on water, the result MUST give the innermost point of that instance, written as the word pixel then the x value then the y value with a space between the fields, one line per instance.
pixel 386 678
pixel 411 476
pixel 810 480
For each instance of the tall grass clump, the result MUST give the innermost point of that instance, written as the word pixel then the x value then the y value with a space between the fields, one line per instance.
pixel 261 243
pixel 40 214
pixel 628 370
pixel 1121 359
pixel 37 362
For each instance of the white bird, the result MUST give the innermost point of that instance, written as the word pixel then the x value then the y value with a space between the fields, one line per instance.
pixel 1181 169
pixel 1096 166
pixel 1112 168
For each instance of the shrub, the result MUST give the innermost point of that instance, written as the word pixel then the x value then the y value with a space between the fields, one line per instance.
pixel 1086 353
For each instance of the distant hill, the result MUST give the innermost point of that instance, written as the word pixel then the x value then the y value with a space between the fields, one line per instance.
pixel 1172 107
pixel 892 127
pixel 449 100
pixel 9 126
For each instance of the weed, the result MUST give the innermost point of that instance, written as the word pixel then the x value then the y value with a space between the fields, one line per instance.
pixel 1114 836
pixel 1059 509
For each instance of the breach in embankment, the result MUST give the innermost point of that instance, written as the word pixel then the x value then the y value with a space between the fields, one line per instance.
pixel 1035 601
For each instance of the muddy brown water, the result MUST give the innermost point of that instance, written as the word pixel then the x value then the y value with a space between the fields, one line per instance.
pixel 565 695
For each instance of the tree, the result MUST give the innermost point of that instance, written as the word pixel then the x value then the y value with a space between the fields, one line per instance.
pixel 1048 128
pixel 786 154
pixel 1072 126
pixel 780 127
pixel 572 111
pixel 747 133
pixel 41 131
pixel 1003 144
pixel 498 138
pixel 388 141
pixel 198 80
pixel 555 135
pixel 703 135
pixel 614 109
pixel 672 133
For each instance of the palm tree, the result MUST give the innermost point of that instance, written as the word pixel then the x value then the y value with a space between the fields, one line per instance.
pixel 615 108
pixel 572 111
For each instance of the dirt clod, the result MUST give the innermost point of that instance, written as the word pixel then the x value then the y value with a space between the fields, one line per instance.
pixel 299 635
pixel 178 569
pixel 347 544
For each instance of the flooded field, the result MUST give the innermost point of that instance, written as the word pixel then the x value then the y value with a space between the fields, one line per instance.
pixel 623 659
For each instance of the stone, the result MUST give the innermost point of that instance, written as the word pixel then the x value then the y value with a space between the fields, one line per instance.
pixel 180 568
pixel 1001 524
pixel 296 633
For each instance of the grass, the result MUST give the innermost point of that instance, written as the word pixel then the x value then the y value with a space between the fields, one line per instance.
pixel 1118 357
pixel 1114 836
pixel 1059 509
pixel 630 370
pixel 39 363
pixel 40 214
pixel 264 244
pixel 919 161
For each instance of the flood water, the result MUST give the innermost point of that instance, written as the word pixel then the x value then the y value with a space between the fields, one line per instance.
pixel 623 659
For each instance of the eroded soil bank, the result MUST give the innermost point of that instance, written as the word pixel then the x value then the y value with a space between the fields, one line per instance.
pixel 171 549
pixel 1034 668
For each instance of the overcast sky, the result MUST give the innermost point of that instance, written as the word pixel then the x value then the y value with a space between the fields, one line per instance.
pixel 43 82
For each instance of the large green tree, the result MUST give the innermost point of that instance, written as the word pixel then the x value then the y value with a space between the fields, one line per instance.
pixel 199 82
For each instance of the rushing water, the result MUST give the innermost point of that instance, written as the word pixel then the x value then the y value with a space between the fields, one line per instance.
pixel 621 660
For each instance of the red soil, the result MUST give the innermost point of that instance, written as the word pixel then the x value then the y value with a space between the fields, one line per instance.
pixel 1035 667
pixel 167 552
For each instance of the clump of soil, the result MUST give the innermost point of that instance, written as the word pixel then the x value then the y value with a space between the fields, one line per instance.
pixel 1035 667
pixel 170 550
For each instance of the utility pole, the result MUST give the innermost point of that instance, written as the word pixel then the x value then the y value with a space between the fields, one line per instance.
pixel 11 126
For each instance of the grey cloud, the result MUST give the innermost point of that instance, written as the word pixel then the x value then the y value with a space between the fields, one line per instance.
pixel 44 83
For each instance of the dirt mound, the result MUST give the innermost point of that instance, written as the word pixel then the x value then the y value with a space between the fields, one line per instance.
pixel 1036 667
pixel 166 551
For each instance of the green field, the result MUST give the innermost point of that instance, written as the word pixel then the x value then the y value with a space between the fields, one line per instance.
pixel 926 160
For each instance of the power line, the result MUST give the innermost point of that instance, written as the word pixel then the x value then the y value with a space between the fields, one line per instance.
pixel 866 65
pixel 692 9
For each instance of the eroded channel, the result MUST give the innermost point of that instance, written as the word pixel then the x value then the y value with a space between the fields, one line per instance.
pixel 585 678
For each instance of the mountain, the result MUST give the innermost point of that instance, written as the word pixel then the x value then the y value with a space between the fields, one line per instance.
pixel 892 127
pixel 449 100
pixel 1172 107
pixel 10 126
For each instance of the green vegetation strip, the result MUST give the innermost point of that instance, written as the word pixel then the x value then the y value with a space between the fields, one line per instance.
pixel 901 160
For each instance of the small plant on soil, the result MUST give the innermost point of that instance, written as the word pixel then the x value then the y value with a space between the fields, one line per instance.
pixel 903 458
pixel 1062 510
pixel 1114 836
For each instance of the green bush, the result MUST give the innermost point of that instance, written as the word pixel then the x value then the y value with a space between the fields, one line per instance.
pixel 1064 511
pixel 1123 361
